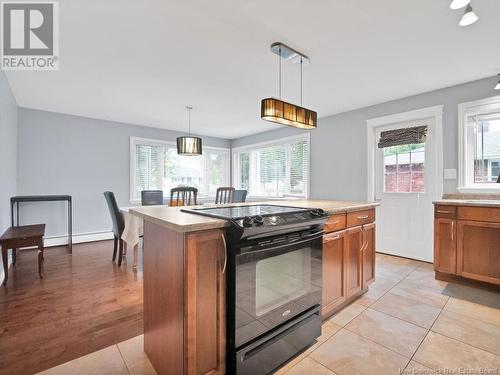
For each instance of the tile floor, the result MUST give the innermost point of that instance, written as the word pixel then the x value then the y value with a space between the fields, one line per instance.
pixel 407 323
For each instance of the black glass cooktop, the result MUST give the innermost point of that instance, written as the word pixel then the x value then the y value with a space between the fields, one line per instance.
pixel 239 212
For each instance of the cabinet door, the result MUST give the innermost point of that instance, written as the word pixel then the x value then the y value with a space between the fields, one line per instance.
pixel 478 251
pixel 368 268
pixel 353 261
pixel 205 323
pixel 334 245
pixel 445 245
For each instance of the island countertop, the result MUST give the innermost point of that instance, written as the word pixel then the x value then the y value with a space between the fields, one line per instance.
pixel 175 219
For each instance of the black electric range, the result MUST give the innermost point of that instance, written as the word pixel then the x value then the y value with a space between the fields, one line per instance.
pixel 274 283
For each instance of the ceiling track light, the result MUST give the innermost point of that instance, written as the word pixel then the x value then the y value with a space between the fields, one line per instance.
pixel 189 146
pixel 459 4
pixel 469 17
pixel 279 111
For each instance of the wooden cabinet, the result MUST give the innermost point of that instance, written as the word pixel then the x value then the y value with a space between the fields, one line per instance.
pixel 334 245
pixel 467 242
pixel 368 256
pixel 478 251
pixel 335 222
pixel 184 301
pixel 445 245
pixel 205 293
pixel 348 258
pixel 355 243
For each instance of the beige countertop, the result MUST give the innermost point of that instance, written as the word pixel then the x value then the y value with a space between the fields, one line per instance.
pixel 469 202
pixel 173 218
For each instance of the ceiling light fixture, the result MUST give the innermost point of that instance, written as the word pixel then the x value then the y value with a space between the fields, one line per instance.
pixel 189 145
pixel 279 111
pixel 497 87
pixel 469 17
pixel 459 4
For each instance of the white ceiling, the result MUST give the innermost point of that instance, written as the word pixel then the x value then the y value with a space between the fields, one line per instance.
pixel 143 61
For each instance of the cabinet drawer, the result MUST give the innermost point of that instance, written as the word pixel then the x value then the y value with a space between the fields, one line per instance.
pixel 335 222
pixel 445 211
pixel 360 217
pixel 488 214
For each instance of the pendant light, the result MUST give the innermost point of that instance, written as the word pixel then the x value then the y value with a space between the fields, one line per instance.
pixel 279 111
pixel 459 4
pixel 469 17
pixel 189 145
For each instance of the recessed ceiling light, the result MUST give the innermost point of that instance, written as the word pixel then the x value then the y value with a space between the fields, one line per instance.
pixel 469 17
pixel 458 4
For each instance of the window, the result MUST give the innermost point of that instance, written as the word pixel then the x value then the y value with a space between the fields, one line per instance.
pixel 479 144
pixel 404 168
pixel 155 165
pixel 278 169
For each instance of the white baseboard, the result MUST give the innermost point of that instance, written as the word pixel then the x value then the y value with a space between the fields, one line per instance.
pixel 78 238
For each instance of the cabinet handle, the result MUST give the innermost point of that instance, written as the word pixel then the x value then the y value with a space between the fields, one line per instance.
pixel 452 229
pixel 364 217
pixel 444 212
pixel 333 222
pixel 365 240
pixel 329 239
pixel 225 253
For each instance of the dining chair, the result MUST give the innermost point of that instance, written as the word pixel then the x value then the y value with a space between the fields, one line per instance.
pixel 224 195
pixel 240 196
pixel 183 196
pixel 118 225
pixel 151 197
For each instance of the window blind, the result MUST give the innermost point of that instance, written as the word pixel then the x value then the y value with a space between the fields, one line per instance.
pixel 277 170
pixel 148 168
pixel 405 136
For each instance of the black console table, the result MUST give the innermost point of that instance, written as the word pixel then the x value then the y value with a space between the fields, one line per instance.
pixel 44 198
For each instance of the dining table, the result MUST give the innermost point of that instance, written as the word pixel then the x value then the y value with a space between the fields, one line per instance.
pixel 133 231
pixel 134 227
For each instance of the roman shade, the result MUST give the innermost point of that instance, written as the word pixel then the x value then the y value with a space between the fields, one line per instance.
pixel 405 136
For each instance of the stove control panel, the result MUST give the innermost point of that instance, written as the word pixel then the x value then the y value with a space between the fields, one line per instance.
pixel 274 220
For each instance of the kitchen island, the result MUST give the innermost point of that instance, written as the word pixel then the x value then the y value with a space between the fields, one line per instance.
pixel 185 262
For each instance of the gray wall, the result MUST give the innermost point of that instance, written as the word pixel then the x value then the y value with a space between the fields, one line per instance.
pixel 8 145
pixel 338 146
pixel 62 154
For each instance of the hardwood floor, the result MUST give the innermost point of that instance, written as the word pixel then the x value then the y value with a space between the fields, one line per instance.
pixel 84 303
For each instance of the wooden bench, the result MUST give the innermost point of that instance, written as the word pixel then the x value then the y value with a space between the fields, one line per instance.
pixel 22 236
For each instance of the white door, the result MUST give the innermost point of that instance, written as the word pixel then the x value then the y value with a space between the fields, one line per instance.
pixel 405 184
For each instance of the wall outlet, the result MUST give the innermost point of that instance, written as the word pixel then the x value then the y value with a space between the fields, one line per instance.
pixel 450 174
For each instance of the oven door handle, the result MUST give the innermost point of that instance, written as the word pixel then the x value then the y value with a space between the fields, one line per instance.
pixel 271 246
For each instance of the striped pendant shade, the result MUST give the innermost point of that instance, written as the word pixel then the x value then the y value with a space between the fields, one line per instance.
pixel 280 112
pixel 189 146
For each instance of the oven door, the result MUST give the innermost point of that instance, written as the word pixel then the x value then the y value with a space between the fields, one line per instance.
pixel 276 279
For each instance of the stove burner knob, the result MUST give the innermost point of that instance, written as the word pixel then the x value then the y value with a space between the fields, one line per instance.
pixel 318 212
pixel 259 220
pixel 247 221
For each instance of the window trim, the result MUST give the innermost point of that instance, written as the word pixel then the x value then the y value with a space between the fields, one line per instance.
pixel 158 142
pixel 299 137
pixel 467 109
